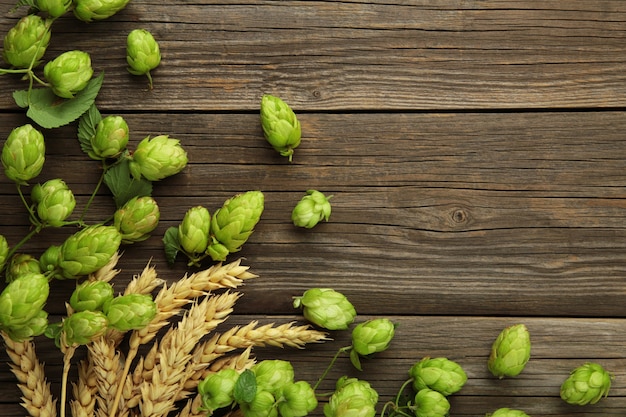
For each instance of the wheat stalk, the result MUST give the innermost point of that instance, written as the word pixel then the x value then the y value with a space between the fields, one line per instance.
pixel 36 396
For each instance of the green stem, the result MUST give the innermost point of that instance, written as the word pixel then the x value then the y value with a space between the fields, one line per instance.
pixel 69 353
pixel 402 388
pixel 332 362
pixel 95 191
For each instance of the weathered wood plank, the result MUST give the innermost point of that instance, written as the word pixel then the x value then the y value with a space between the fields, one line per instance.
pixel 327 55
pixel 558 346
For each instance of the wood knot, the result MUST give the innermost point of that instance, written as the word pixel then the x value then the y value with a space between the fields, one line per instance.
pixel 459 216
pixel 317 93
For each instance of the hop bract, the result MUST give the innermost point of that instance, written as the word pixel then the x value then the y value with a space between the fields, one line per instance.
pixel 234 222
pixel 4 251
pixel 88 10
pixel 372 336
pixel 326 308
pixel 507 412
pixel 91 295
pixel 217 389
pixel 21 264
pixel 54 8
pixel 26 42
pixel 431 403
pixel 55 201
pixel 82 327
pixel 85 252
pixel 142 53
pixel 193 231
pixel 352 398
pixel 110 139
pixel 311 209
pixel 158 158
pixel 439 374
pixel 280 125
pixel 23 154
pixel 510 351
pixel 137 218
pixel 297 399
pixel 131 311
pixel 68 73
pixel 587 384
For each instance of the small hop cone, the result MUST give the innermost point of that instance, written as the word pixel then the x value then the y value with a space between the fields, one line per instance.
pixel 36 326
pixel 90 10
pixel 234 222
pixel 217 389
pixel 507 412
pixel 142 53
pixel 110 139
pixel 262 405
pixel 22 300
pixel 193 231
pixel 372 336
pixel 26 42
pixel 136 219
pixel 21 264
pixel 326 308
pixel 4 252
pixel 587 384
pixel 91 295
pixel 311 209
pixel 49 260
pixel 55 202
pixel 69 73
pixel 439 374
pixel 431 403
pixel 130 312
pixel 298 399
pixel 23 154
pixel 54 8
pixel 510 352
pixel 352 398
pixel 280 125
pixel 157 158
pixel 83 327
pixel 271 375
pixel 86 251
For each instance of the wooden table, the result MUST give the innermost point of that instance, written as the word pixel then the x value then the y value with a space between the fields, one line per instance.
pixel 475 151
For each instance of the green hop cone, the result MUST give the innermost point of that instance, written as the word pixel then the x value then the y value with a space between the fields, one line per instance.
pixel 439 374
pixel 311 209
pixel 193 230
pixel 54 8
pixel 49 260
pixel 26 42
pixel 326 308
pixel 83 327
pixel 587 384
pixel 22 299
pixel 21 264
pixel 158 158
pixel 296 399
pixel 136 219
pixel 280 125
pixel 431 403
pixel 130 312
pixel 55 201
pixel 23 154
pixel 262 405
pixel 91 295
pixel 271 375
pixel 372 336
pixel 234 222
pixel 352 398
pixel 89 10
pixel 217 389
pixel 34 327
pixel 4 252
pixel 110 138
pixel 510 351
pixel 142 53
pixel 85 251
pixel 68 73
pixel 507 412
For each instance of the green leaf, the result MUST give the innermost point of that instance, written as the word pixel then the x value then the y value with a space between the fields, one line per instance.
pixel 356 361
pixel 123 185
pixel 21 98
pixel 245 387
pixel 50 111
pixel 171 244
pixel 87 127
pixel 20 3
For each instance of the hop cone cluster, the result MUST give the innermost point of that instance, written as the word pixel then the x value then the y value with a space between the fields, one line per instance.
pixel 510 351
pixel 326 308
pixel 439 374
pixel 587 384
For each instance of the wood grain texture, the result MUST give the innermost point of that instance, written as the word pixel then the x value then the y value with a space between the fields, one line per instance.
pixel 475 152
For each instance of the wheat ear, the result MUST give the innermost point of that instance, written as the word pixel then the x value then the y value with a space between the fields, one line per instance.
pixel 108 369
pixel 36 396
pixel 84 391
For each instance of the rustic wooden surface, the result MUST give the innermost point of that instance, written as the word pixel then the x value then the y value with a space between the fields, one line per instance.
pixel 475 151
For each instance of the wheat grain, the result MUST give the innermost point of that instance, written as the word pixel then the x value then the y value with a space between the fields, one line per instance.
pixel 107 366
pixel 108 271
pixel 84 391
pixel 36 396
